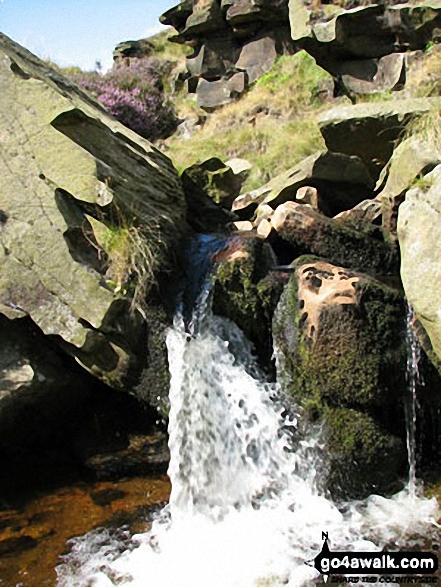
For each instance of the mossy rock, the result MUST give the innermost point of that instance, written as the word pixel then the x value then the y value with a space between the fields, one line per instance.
pixel 246 292
pixel 364 458
pixel 337 334
pixel 302 230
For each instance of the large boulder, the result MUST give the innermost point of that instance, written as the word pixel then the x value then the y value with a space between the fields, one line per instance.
pixel 307 231
pixel 336 334
pixel 419 235
pixel 412 159
pixel 372 76
pixel 40 388
pixel 88 211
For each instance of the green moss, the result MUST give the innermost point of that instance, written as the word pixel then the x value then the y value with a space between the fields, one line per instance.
pixel 356 360
pixel 365 458
pixel 244 292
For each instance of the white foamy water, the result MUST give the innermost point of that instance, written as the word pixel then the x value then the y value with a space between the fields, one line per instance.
pixel 245 508
pixel 413 378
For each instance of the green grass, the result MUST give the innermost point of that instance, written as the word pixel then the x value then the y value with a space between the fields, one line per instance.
pixel 166 49
pixel 273 141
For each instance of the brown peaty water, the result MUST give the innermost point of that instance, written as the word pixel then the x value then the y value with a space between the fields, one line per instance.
pixel 34 534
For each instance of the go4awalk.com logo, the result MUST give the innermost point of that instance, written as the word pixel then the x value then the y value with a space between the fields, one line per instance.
pixel 410 566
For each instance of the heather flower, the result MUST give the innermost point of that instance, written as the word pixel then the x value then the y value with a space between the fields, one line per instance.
pixel 135 96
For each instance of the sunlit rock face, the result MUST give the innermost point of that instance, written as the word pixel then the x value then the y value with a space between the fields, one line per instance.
pixel 84 204
pixel 419 238
pixel 235 42
pixel 363 44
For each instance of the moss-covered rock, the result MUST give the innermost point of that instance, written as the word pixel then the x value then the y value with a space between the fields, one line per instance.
pixel 364 458
pixel 340 339
pixel 212 178
pixel 246 292
pixel 304 230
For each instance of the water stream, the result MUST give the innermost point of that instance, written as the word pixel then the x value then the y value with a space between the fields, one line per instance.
pixel 246 509
pixel 413 377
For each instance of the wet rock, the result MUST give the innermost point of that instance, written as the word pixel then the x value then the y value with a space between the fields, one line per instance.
pixel 309 231
pixel 365 458
pixel 246 292
pixel 370 131
pixel 336 332
pixel 144 455
pixel 331 321
pixel 13 546
pixel 341 182
pixel 82 197
pixel 419 235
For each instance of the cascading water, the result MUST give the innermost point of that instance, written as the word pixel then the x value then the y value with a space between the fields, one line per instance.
pixel 245 508
pixel 413 376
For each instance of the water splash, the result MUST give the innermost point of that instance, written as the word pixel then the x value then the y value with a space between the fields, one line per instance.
pixel 246 508
pixel 411 404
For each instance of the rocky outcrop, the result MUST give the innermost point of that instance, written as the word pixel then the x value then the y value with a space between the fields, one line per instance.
pixel 419 235
pixel 329 322
pixel 370 131
pixel 234 43
pixel 341 182
pixel 88 211
pixel 126 51
pixel 363 43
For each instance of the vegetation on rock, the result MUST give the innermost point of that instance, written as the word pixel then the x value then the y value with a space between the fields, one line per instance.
pixel 135 96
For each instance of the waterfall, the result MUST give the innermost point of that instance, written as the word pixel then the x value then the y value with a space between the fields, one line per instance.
pixel 245 508
pixel 411 404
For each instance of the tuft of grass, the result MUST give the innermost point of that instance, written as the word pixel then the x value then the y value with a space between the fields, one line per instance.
pixel 134 254
pixel 273 125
